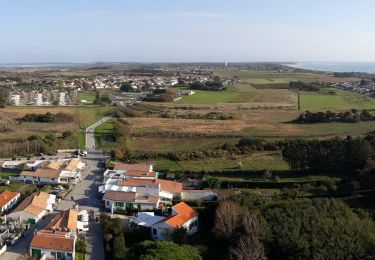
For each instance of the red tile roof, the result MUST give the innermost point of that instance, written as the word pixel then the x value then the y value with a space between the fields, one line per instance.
pixel 170 186
pixel 6 196
pixel 185 213
pixel 141 173
pixel 52 241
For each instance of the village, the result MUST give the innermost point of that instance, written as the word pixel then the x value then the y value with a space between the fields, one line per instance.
pixel 65 92
pixel 62 198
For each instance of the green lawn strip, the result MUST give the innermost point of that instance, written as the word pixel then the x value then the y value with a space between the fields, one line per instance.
pixel 102 130
pixel 5 175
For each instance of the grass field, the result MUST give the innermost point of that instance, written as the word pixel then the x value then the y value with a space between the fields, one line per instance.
pixel 88 96
pixel 258 161
pixel 103 131
pixel 340 101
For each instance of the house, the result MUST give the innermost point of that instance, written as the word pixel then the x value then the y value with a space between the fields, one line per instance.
pixel 124 200
pixel 57 240
pixel 60 171
pixel 34 207
pixel 8 199
pixel 162 228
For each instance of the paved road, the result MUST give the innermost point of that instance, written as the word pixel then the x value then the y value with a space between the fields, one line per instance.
pixel 85 194
pixel 90 132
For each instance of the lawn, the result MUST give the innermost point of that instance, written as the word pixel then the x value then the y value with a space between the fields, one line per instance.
pixel 342 100
pixel 5 175
pixel 88 96
pixel 103 131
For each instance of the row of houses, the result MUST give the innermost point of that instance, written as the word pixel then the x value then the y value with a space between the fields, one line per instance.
pixel 138 186
pixel 61 171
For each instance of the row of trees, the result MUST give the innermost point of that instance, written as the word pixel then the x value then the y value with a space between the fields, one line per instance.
pixel 351 116
pixel 299 85
pixel 338 155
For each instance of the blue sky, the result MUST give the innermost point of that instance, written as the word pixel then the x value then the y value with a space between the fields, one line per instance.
pixel 186 30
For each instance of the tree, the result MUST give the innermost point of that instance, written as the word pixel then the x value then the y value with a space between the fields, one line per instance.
pixel 213 182
pixel 248 247
pixel 227 219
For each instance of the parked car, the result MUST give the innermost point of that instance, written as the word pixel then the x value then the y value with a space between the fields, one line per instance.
pixel 58 187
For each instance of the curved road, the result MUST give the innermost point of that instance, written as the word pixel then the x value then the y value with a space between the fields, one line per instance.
pixel 90 132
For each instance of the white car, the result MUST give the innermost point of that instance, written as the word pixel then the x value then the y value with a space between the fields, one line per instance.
pixel 58 187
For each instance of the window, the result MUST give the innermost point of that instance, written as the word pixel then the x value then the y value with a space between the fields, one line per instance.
pixel 107 202
pixel 119 204
pixel 154 232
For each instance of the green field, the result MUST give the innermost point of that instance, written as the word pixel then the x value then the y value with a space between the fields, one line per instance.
pixel 272 161
pixel 342 100
pixel 104 130
pixel 89 96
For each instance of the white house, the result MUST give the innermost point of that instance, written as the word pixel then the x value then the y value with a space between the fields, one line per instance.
pixel 123 200
pixel 162 228
pixel 8 199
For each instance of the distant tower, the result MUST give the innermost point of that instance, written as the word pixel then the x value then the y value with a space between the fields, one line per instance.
pixel 226 64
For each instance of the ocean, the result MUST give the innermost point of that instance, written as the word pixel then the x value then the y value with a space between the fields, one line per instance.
pixel 365 67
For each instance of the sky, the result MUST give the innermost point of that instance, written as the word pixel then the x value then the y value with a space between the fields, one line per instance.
pixel 186 30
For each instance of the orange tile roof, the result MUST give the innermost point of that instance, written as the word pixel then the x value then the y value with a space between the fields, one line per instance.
pixel 132 167
pixel 170 186
pixel 54 165
pixel 72 165
pixel 67 219
pixel 6 196
pixel 52 241
pixel 35 204
pixel 185 213
pixel 141 173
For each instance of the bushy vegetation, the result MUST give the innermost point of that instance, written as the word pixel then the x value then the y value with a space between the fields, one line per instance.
pixel 48 118
pixel 352 116
pixel 299 85
pixel 160 250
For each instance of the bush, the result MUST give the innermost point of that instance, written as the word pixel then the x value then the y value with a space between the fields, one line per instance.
pixel 81 246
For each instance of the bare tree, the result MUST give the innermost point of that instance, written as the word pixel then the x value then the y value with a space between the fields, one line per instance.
pixel 228 217
pixel 248 248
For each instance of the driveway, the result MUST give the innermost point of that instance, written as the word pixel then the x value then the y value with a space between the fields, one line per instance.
pixel 90 132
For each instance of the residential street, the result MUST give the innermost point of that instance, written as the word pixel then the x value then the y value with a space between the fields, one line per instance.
pixel 85 194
